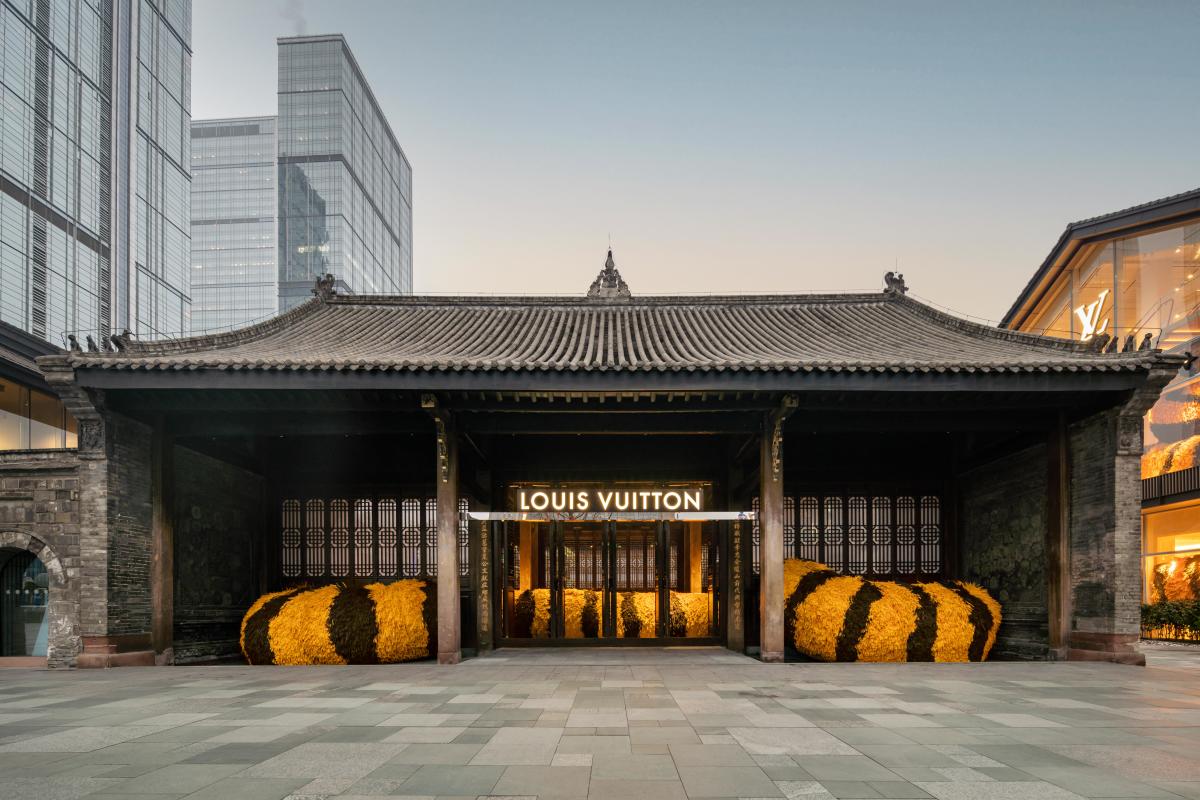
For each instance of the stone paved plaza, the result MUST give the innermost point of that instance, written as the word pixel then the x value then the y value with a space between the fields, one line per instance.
pixel 628 723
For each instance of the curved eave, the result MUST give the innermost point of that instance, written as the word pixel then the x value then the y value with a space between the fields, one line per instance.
pixel 1116 377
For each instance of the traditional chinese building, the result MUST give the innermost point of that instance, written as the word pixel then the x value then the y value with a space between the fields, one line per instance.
pixel 532 451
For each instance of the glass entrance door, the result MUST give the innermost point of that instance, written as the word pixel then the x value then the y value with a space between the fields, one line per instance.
pixel 609 581
pixel 24 595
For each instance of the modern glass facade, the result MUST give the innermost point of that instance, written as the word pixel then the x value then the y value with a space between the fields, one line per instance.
pixel 33 420
pixel 156 299
pixel 1130 286
pixel 345 185
pixel 94 98
pixel 234 274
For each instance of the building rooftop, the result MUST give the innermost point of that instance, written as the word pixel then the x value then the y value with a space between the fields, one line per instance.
pixel 1127 221
pixel 884 332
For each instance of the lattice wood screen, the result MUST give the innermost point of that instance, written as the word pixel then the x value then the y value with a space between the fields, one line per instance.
pixel 876 535
pixel 364 537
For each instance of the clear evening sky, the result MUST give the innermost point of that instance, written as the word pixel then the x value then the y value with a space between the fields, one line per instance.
pixel 749 146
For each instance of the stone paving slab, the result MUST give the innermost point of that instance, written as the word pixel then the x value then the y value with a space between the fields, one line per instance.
pixel 657 723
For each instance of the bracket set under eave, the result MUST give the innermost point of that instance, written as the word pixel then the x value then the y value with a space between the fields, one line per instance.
pixel 430 404
pixel 776 419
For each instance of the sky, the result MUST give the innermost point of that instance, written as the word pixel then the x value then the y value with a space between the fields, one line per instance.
pixel 748 146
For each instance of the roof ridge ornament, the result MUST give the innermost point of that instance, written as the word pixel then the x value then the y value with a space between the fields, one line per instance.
pixel 893 283
pixel 324 287
pixel 608 283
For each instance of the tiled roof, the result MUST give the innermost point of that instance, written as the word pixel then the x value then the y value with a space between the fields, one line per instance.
pixel 1190 194
pixel 883 332
pixel 1164 209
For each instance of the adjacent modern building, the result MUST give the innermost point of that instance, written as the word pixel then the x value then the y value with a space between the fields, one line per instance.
pixel 1115 281
pixel 345 188
pixel 94 166
pixel 234 242
pixel 341 192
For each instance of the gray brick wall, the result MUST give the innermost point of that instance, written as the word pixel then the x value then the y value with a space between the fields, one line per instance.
pixel 129 519
pixel 218 535
pixel 40 513
pixel 1106 578
pixel 1003 529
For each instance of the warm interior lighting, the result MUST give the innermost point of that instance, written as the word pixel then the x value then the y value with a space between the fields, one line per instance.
pixel 1171 568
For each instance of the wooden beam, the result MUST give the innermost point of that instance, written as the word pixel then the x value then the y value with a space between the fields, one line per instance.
pixel 612 381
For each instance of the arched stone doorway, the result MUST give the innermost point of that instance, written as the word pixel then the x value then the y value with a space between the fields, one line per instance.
pixel 38 614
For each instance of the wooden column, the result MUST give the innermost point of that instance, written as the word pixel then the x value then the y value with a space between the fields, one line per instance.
pixel 735 614
pixel 770 533
pixel 162 545
pixel 770 551
pixel 1058 541
pixel 482 569
pixel 449 615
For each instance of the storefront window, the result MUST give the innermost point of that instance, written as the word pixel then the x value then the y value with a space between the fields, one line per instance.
pixel 1171 560
pixel 1094 302
pixel 14 416
pixel 46 425
pixel 33 420
pixel 1158 286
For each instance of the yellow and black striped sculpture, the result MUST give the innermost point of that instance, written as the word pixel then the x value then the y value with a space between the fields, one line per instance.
pixel 379 623
pixel 832 617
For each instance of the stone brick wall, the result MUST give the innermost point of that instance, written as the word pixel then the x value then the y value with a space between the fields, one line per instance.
pixel 129 522
pixel 1003 528
pixel 40 513
pixel 1106 577
pixel 218 524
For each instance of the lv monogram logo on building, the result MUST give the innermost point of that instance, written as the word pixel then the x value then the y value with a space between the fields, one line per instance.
pixel 1091 317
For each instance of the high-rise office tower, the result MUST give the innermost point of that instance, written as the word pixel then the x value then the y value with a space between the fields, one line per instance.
pixel 345 185
pixel 94 195
pixel 325 179
pixel 234 245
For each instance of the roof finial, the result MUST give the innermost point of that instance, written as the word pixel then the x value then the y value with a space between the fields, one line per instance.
pixel 325 287
pixel 893 283
pixel 608 283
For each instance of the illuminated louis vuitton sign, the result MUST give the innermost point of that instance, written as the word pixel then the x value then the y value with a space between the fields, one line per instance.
pixel 1092 320
pixel 609 500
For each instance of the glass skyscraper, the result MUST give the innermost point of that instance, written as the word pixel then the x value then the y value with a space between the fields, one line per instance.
pixel 325 184
pixel 345 185
pixel 234 274
pixel 94 155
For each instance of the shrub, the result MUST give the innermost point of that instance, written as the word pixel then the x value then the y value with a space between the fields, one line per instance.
pixel 376 623
pixel 1172 619
pixel 834 617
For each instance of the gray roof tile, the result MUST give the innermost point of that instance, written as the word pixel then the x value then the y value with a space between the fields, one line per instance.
pixel 884 332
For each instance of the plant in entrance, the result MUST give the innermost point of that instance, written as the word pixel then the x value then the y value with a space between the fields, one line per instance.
pixel 691 614
pixel 631 623
pixel 375 623
pixel 638 614
pixel 589 620
pixel 832 617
